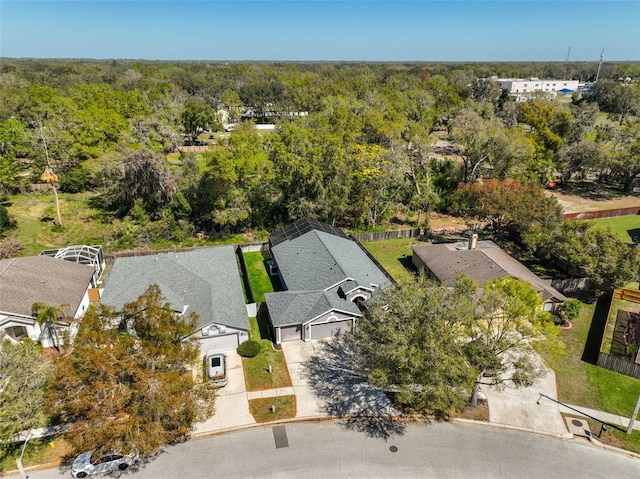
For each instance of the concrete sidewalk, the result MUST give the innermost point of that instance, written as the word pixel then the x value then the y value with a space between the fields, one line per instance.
pixel 606 417
pixel 508 406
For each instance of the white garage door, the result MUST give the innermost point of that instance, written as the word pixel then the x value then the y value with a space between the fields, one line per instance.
pixel 225 342
pixel 327 330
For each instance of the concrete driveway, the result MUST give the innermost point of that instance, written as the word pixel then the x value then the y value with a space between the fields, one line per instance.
pixel 298 354
pixel 519 406
pixel 232 405
pixel 326 383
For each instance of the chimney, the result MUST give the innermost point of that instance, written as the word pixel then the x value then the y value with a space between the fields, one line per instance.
pixel 473 241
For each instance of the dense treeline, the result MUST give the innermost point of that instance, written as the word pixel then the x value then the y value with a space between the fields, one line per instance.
pixel 353 144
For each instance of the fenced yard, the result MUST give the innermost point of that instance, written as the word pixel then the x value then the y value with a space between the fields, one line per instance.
pixel 261 282
pixel 394 255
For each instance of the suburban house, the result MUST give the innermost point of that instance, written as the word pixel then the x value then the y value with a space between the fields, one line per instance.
pixel 481 261
pixel 325 275
pixel 54 281
pixel 205 281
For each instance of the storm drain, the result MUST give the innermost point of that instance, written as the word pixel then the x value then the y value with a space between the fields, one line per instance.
pixel 280 436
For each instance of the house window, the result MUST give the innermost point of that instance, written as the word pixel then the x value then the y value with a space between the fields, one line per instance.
pixel 17 332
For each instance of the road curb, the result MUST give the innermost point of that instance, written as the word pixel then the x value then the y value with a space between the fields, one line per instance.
pixel 36 467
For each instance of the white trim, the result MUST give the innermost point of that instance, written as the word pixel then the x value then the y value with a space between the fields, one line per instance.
pixel 349 313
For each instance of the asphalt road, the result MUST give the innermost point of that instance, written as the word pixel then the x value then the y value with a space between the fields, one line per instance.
pixel 333 449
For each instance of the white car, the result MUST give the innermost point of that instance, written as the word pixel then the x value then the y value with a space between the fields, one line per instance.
pixel 216 367
pixel 97 462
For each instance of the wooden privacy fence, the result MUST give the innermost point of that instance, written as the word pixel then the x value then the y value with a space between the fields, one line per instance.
pixel 592 215
pixel 411 233
pixel 619 365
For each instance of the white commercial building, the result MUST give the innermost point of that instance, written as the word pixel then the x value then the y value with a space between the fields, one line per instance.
pixel 524 89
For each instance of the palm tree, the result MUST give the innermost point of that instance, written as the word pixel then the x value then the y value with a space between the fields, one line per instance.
pixel 48 176
pixel 47 317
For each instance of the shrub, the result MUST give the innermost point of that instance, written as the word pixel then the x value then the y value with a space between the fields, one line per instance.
pixel 571 309
pixel 6 220
pixel 249 349
pixel 75 181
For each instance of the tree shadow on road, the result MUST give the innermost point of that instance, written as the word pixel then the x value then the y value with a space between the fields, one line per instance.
pixel 332 375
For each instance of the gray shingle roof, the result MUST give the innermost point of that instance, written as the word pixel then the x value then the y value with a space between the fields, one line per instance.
pixel 318 260
pixel 299 307
pixel 206 280
pixel 31 279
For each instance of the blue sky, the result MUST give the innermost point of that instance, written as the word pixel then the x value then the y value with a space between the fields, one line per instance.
pixel 338 30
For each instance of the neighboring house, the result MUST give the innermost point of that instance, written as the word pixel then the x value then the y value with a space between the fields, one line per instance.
pixel 525 89
pixel 42 279
pixel 205 281
pixel 325 274
pixel 82 254
pixel 481 261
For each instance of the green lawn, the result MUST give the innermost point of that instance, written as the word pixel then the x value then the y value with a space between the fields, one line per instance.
pixel 583 384
pixel 626 227
pixel 82 224
pixel 37 451
pixel 256 374
pixel 258 276
pixel 394 255
pixel 286 408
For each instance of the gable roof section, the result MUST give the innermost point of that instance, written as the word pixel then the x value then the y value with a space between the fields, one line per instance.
pixel 445 263
pixel 31 279
pixel 205 280
pixel 317 260
pixel 518 270
pixel 299 307
pixel 485 263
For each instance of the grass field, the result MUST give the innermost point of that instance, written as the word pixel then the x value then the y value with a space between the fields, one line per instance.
pixel 82 224
pixel 394 255
pixel 627 228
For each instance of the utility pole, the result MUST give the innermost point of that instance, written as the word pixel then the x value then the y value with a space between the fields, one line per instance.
pixel 599 66
pixel 633 416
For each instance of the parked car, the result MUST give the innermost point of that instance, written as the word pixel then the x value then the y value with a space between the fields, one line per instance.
pixel 99 461
pixel 216 367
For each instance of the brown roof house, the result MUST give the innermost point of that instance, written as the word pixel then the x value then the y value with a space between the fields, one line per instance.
pixel 44 279
pixel 481 261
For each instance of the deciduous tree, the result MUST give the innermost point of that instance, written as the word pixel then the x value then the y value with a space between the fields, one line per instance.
pixel 411 343
pixel 509 206
pixel 129 378
pixel 509 322
pixel 24 376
